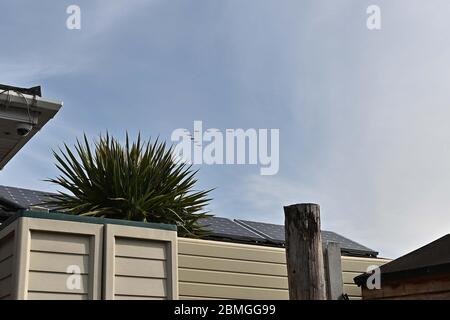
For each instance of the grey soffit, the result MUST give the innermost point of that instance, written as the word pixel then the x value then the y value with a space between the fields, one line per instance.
pixel 21 111
pixel 275 233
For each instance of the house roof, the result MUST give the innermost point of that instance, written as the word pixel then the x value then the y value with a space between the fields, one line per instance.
pixel 276 233
pixel 13 199
pixel 431 259
pixel 25 109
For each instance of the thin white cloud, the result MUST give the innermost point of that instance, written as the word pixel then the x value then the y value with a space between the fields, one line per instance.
pixel 105 16
pixel 67 52
pixel 378 104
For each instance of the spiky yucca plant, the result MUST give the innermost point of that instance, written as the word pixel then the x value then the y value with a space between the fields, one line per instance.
pixel 138 181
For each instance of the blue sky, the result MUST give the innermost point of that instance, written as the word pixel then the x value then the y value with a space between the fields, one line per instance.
pixel 363 115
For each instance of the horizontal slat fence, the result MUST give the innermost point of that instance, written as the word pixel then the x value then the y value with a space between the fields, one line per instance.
pixel 222 270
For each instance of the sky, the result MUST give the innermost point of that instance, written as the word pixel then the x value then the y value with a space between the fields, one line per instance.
pixel 363 114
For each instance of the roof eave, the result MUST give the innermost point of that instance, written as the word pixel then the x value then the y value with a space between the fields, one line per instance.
pixel 47 109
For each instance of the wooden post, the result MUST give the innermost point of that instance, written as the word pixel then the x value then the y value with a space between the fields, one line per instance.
pixel 333 271
pixel 304 255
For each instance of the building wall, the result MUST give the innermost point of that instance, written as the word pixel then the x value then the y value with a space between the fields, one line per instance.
pixel 426 287
pixel 70 258
pixel 354 266
pixel 51 254
pixel 140 263
pixel 140 269
pixel 221 270
pixel 45 254
pixel 6 266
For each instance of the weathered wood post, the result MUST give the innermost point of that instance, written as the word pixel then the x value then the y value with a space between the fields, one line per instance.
pixel 304 255
pixel 333 271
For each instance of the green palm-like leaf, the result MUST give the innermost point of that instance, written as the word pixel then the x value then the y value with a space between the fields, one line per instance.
pixel 137 181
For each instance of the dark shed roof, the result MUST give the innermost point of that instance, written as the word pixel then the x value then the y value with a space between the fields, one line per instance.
pixel 431 259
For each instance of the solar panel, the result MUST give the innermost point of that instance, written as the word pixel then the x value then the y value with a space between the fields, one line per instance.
pixel 226 228
pixel 23 198
pixel 220 228
pixel 275 233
